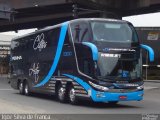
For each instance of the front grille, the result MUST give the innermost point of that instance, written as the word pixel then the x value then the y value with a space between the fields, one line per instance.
pixel 129 56
pixel 122 90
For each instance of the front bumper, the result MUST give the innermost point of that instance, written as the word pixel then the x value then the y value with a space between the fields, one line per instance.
pixel 108 96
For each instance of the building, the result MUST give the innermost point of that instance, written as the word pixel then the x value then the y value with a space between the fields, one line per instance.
pixel 150 36
pixel 5 41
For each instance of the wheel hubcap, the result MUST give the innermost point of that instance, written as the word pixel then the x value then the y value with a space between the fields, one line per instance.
pixel 26 89
pixel 21 87
pixel 72 95
pixel 61 93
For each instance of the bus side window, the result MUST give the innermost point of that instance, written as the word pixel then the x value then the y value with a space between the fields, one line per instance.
pixel 87 67
pixel 52 37
pixel 11 69
pixel 23 45
pixel 45 67
pixel 67 42
pixel 80 32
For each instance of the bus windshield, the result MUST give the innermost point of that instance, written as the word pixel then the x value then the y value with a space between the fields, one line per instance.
pixel 116 67
pixel 113 32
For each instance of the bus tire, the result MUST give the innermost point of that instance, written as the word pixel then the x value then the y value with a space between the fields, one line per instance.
pixel 61 93
pixel 26 88
pixel 21 87
pixel 72 96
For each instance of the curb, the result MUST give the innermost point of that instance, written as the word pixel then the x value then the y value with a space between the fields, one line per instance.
pixel 154 81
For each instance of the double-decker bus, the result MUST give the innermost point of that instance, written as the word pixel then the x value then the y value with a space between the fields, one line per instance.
pixel 88 58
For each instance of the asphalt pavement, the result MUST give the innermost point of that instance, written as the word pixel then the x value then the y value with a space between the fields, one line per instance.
pixel 12 102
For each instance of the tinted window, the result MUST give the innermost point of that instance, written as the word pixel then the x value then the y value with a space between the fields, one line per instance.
pixel 113 32
pixel 52 37
pixel 110 65
pixel 80 31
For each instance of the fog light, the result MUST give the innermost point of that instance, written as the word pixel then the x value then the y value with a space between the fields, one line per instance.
pixel 100 95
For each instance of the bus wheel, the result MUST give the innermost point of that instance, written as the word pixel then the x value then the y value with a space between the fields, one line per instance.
pixel 21 88
pixel 26 89
pixel 61 94
pixel 72 95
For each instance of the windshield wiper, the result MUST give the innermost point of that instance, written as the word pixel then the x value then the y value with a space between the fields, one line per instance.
pixel 113 78
pixel 106 77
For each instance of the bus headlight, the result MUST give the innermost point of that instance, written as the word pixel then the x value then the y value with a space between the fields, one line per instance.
pixel 140 87
pixel 99 87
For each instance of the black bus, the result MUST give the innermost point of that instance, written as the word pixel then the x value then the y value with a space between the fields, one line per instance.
pixel 93 58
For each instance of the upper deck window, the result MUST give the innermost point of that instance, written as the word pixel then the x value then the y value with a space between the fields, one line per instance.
pixel 80 31
pixel 113 32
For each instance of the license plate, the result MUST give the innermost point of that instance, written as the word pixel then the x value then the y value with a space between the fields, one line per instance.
pixel 122 97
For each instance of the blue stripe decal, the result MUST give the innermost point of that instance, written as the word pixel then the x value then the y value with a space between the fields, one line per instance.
pixel 93 48
pixel 150 50
pixel 107 96
pixel 78 80
pixel 57 56
pixel 85 85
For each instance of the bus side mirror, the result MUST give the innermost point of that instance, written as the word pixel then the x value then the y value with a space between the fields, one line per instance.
pixel 93 48
pixel 150 50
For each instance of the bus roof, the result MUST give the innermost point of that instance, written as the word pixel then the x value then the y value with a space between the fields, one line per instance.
pixel 71 21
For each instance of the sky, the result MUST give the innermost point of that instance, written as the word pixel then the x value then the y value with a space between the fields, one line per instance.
pixel 145 20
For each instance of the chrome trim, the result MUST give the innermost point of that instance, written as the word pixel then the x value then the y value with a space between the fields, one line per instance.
pixel 99 87
pixel 76 54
